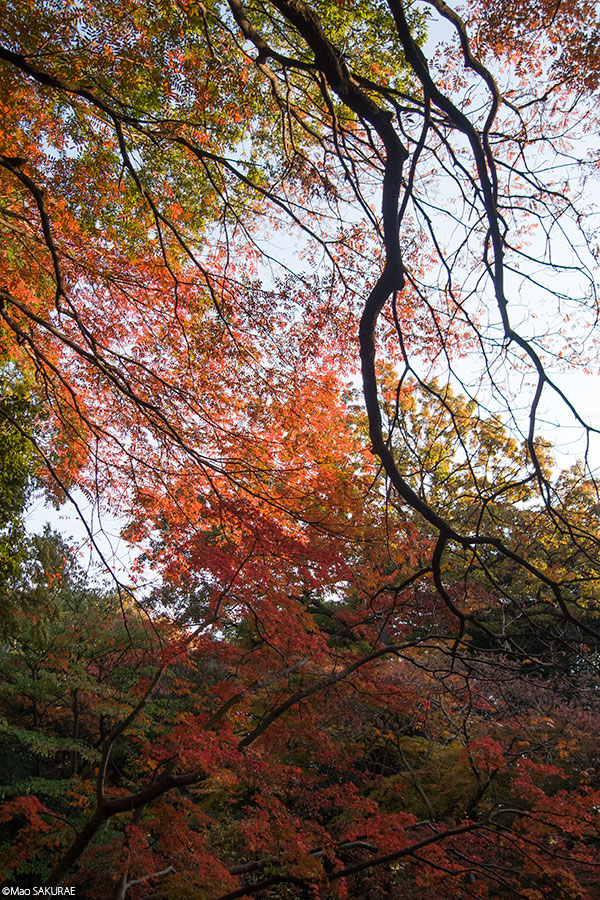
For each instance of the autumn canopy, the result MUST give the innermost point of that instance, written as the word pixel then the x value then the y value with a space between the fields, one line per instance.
pixel 304 294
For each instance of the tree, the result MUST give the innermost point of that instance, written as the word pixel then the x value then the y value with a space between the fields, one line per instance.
pixel 437 578
pixel 18 412
pixel 302 774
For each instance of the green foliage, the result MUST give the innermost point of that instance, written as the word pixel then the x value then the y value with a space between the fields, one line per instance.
pixel 68 671
pixel 18 465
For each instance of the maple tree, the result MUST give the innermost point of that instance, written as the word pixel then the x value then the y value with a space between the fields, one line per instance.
pixel 368 669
